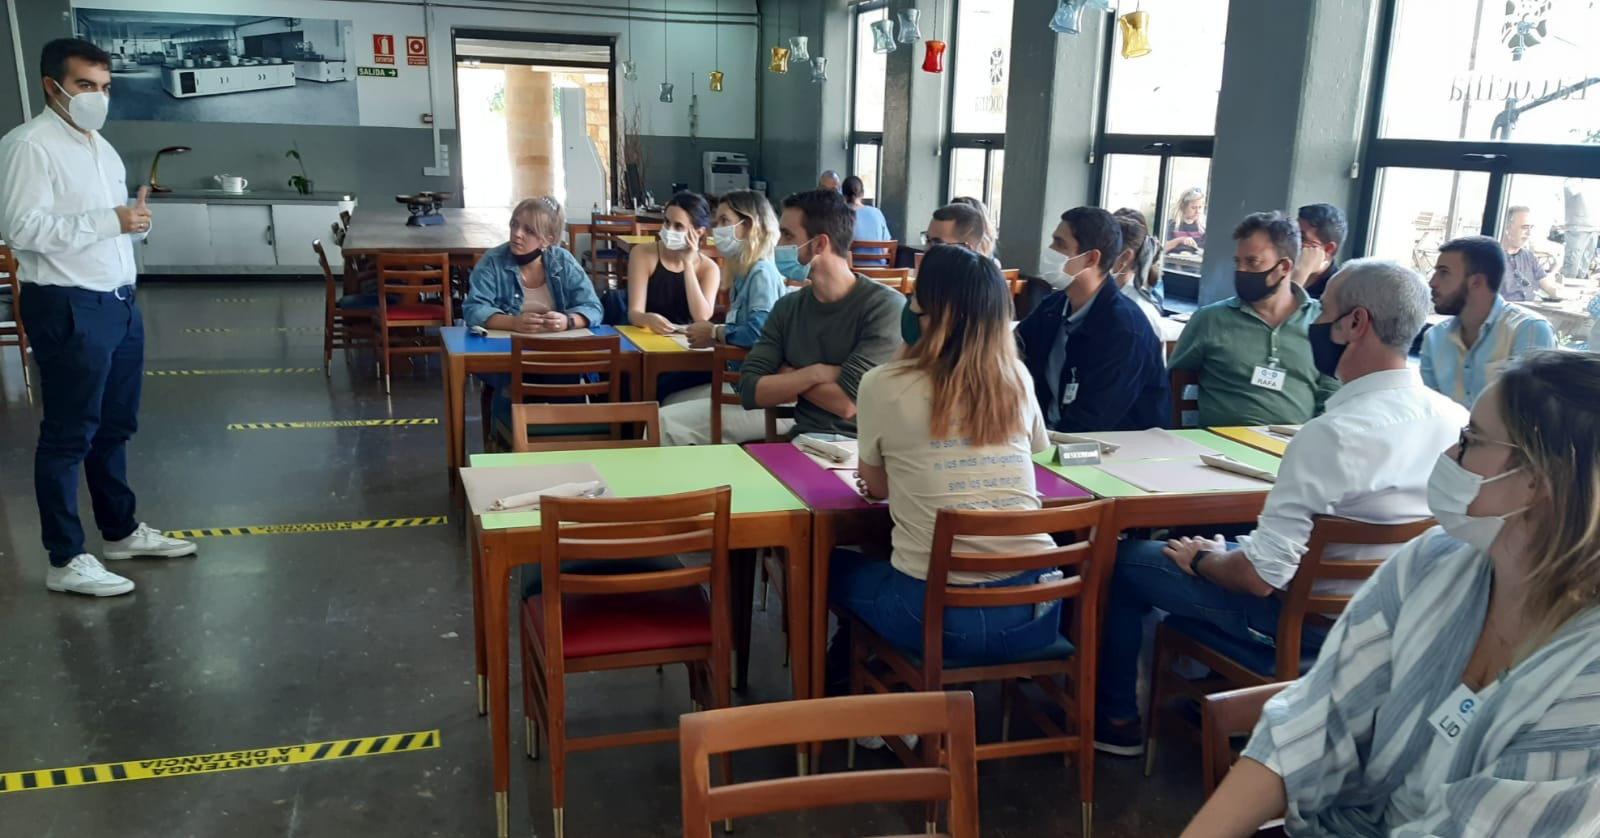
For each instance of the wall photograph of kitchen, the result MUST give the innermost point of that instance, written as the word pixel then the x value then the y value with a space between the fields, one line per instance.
pixel 204 67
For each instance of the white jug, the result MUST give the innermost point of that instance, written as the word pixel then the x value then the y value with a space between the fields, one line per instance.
pixel 231 183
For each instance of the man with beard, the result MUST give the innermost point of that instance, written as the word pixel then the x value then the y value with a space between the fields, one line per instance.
pixel 1463 354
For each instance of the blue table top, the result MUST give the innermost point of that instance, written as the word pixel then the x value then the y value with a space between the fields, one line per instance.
pixel 458 340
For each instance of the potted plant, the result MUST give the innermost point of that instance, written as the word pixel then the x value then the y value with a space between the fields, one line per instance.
pixel 300 182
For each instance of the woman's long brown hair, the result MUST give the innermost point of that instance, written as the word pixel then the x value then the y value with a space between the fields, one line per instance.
pixel 967 349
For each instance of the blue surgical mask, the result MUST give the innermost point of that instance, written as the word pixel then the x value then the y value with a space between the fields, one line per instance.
pixel 787 258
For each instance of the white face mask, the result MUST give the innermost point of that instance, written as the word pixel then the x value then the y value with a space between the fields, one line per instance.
pixel 674 239
pixel 87 110
pixel 728 244
pixel 1051 264
pixel 1451 489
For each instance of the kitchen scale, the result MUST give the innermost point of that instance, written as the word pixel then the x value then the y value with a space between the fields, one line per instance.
pixel 424 207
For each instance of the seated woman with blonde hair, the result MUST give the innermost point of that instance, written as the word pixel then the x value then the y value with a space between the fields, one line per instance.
pixel 1459 694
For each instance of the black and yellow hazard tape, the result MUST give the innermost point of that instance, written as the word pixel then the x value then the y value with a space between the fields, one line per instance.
pixel 327 526
pixel 276 757
pixel 340 423
pixel 253 371
pixel 235 299
pixel 278 329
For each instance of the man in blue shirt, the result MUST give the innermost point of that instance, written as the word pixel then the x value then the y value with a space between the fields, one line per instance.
pixel 1461 355
pixel 1096 364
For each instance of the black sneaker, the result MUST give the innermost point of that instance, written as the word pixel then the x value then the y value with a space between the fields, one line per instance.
pixel 1123 740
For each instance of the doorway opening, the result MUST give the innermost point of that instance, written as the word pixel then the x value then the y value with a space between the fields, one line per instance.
pixel 537 116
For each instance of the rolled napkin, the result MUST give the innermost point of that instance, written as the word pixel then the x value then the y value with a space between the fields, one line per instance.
pixel 824 449
pixel 1232 466
pixel 1283 430
pixel 1059 438
pixel 530 500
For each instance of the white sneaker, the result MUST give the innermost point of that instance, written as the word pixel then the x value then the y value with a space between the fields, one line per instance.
pixel 148 542
pixel 85 575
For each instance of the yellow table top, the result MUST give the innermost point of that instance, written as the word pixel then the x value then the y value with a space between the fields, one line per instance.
pixel 1255 437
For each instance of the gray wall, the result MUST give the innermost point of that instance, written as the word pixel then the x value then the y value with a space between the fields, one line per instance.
pixel 683 160
pixel 10 99
pixel 791 106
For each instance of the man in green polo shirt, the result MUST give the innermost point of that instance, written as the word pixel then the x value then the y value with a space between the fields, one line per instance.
pixel 1251 350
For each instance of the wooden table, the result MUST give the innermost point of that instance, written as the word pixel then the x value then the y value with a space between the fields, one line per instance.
pixel 764 514
pixel 466 232
pixel 840 516
pixel 466 354
pixel 663 355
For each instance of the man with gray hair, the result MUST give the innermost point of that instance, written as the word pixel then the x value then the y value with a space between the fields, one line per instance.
pixel 1367 458
pixel 829 181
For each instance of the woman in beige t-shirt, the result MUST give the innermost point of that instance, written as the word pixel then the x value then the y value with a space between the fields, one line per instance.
pixel 954 424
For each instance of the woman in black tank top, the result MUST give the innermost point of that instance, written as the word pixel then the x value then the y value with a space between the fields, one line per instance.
pixel 671 283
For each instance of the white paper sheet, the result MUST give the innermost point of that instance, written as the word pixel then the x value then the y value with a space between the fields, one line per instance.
pixel 1182 477
pixel 1152 444
pixel 485 485
pixel 570 333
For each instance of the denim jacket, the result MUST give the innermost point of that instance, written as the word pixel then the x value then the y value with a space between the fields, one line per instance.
pixel 496 286
pixel 753 297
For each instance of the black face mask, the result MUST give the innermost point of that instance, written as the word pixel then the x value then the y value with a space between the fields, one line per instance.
pixel 1325 354
pixel 529 257
pixel 1251 286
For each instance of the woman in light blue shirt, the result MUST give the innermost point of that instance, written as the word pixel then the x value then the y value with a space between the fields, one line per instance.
pixel 871 226
pixel 745 230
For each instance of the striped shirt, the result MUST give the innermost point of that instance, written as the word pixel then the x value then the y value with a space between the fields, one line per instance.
pixel 1462 372
pixel 1347 737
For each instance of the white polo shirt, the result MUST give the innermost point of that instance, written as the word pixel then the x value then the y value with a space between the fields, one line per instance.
pixel 58 191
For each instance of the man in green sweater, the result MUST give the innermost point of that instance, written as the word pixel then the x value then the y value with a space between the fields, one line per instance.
pixel 821 339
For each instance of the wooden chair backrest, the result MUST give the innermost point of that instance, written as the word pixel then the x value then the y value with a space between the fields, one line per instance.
pixel 331 284
pixel 619 417
pixel 949 715
pixel 344 217
pixel 1180 381
pixel 1223 716
pixel 1302 601
pixel 897 278
pixel 1014 280
pixel 573 232
pixel 873 253
pixel 8 266
pixel 408 277
pixel 1089 553
pixel 337 233
pixel 721 356
pixel 603 232
pixel 562 368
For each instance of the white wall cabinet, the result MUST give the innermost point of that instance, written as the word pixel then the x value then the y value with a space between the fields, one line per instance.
pixel 295 226
pixel 242 235
pixel 172 241
pixel 239 236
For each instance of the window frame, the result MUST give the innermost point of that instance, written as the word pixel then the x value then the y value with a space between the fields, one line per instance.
pixel 1501 159
pixel 856 137
pixel 989 142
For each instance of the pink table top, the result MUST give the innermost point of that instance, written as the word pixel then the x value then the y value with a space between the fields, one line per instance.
pixel 818 489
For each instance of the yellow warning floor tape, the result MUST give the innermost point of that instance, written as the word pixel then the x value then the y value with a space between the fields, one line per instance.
pixel 150 769
pixel 340 423
pixel 255 371
pixel 328 526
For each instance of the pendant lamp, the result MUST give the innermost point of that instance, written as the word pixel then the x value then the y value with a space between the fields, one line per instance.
pixel 715 76
pixel 933 58
pixel 1135 27
pixel 910 32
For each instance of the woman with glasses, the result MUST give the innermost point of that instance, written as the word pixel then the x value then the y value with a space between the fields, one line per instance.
pixel 953 423
pixel 1459 694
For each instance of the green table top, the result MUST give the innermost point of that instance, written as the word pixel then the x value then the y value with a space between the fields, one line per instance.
pixel 1105 486
pixel 638 472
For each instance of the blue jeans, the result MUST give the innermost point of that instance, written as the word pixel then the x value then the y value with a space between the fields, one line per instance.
pixel 891 603
pixel 1145 578
pixel 89 346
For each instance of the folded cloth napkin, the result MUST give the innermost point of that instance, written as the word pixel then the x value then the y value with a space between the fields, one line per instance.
pixel 1059 438
pixel 1233 466
pixel 1283 430
pixel 530 500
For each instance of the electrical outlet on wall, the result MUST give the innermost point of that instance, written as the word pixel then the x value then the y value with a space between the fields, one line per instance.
pixel 442 155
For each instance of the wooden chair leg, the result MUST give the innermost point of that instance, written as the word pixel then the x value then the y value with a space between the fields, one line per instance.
pixel 1160 664
pixel 556 708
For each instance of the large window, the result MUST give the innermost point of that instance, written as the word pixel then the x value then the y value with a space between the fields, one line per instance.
pixel 869 77
pixel 980 75
pixel 1484 108
pixel 1158 115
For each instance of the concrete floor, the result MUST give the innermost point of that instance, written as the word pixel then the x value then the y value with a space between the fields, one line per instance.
pixel 278 640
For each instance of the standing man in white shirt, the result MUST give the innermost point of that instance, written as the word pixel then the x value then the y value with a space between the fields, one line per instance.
pixel 1367 457
pixel 63 211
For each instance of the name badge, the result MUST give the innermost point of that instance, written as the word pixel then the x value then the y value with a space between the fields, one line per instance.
pixel 1455 715
pixel 1069 393
pixel 1078 453
pixel 1268 377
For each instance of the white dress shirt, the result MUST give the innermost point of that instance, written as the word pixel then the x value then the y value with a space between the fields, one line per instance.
pixel 1367 458
pixel 58 193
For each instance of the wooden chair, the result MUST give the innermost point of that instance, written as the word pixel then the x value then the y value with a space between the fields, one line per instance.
pixel 1014 280
pixel 347 320
pixel 1185 408
pixel 723 357
pixel 897 278
pixel 879 666
pixel 1224 716
pixel 619 418
pixel 873 254
pixel 573 232
pixel 946 716
pixel 413 296
pixel 582 622
pixel 554 370
pixel 605 252
pixel 12 332
pixel 646 228
pixel 1241 662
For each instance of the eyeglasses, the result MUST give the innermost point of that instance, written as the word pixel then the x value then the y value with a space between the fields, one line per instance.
pixel 1469 436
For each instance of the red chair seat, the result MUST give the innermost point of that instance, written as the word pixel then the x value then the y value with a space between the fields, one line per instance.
pixel 416 312
pixel 599 624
